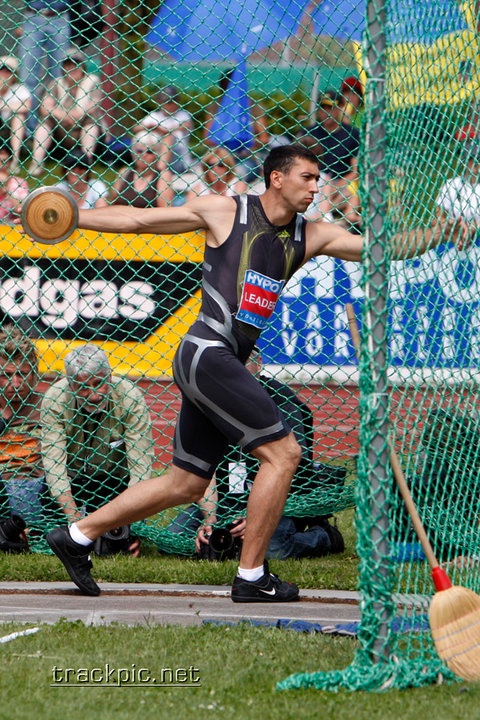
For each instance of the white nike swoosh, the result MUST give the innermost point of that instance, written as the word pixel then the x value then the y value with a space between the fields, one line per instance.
pixel 268 592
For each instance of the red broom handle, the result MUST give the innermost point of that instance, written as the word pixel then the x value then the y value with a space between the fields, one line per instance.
pixel 439 576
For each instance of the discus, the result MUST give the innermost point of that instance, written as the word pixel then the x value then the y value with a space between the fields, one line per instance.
pixel 49 215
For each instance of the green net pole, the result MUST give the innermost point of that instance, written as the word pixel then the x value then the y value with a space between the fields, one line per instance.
pixel 376 319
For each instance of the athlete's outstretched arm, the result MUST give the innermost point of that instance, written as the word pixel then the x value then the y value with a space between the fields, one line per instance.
pixel 331 239
pixel 196 215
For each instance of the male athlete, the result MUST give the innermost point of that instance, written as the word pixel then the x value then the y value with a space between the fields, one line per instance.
pixel 253 246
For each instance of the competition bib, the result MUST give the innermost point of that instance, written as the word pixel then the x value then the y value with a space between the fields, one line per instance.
pixel 259 297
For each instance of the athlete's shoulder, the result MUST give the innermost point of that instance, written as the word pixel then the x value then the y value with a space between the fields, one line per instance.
pixel 205 203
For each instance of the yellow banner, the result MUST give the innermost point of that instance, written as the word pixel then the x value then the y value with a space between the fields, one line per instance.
pixel 134 296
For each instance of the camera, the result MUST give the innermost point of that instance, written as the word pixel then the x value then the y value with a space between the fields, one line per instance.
pixel 113 541
pixel 222 545
pixel 11 530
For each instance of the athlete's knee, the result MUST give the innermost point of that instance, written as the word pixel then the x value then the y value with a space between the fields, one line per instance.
pixel 292 451
pixel 187 486
pixel 284 453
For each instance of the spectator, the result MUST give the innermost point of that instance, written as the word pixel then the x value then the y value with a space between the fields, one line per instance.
pixel 218 176
pixel 44 42
pixel 459 197
pixel 149 182
pixel 351 99
pixel 69 113
pixel 175 125
pixel 13 189
pixel 88 192
pixel 249 168
pixel 15 103
pixel 226 496
pixel 96 434
pixel 20 459
pixel 336 144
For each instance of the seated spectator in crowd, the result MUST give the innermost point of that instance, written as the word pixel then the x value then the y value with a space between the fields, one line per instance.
pixel 459 197
pixel 470 128
pixel 175 125
pixel 21 469
pixel 69 112
pixel 13 189
pixel 87 191
pixel 15 104
pixel 225 499
pixel 337 145
pixel 96 435
pixel 148 183
pixel 219 176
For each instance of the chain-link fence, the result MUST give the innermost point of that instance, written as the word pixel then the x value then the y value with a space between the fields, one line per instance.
pixel 151 104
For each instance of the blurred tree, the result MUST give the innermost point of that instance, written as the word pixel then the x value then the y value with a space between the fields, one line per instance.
pixel 134 18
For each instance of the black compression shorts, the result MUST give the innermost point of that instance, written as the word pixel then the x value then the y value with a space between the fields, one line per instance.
pixel 222 404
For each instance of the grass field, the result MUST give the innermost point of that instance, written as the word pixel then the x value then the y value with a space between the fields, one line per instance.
pixel 235 672
pixel 235 669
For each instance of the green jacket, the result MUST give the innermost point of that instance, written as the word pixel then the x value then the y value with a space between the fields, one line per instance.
pixel 117 440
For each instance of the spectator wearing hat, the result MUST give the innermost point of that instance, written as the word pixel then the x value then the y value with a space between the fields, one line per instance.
pixel 88 192
pixel 175 125
pixel 336 144
pixel 15 104
pixel 149 182
pixel 351 99
pixel 69 113
pixel 459 196
pixel 44 42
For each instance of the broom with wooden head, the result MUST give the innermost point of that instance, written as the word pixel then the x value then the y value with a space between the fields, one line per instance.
pixel 454 612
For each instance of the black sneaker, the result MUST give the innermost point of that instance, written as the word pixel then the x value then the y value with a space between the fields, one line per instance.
pixel 268 588
pixel 76 559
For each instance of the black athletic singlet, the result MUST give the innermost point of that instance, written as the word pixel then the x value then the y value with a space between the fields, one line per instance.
pixel 243 278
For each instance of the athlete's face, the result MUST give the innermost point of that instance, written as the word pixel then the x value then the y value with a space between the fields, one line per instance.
pixel 299 185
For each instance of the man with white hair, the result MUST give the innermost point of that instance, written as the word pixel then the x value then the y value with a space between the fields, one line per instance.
pixel 96 434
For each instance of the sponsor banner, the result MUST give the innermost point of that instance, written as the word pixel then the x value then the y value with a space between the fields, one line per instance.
pixel 135 296
pixel 434 313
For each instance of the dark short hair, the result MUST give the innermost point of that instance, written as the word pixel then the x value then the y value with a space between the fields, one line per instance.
pixel 283 157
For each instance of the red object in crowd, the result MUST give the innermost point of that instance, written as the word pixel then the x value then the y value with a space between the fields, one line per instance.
pixel 352 83
pixel 467 132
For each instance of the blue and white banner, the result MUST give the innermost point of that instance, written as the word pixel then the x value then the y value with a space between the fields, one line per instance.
pixel 434 313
